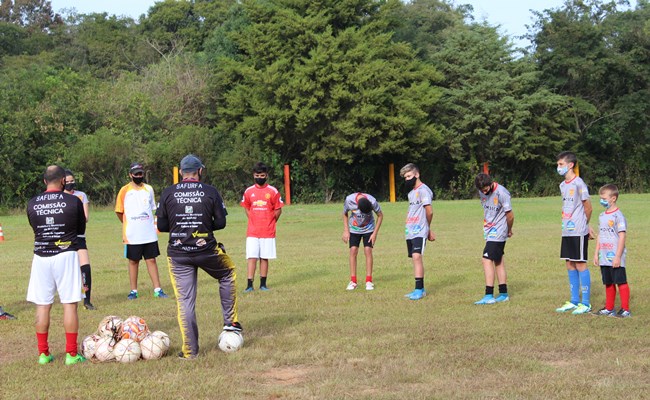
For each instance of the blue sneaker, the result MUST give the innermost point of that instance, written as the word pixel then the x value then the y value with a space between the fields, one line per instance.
pixel 264 288
pixel 160 294
pixel 417 294
pixel 248 289
pixel 488 299
pixel 502 297
pixel 133 295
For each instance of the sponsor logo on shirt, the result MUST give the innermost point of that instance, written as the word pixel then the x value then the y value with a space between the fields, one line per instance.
pixel 189 209
pixel 201 242
pixel 610 256
pixel 570 226
pixel 62 245
pixel 49 220
pixel 198 234
pixel 260 203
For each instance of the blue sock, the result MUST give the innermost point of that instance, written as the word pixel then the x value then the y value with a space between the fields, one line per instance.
pixel 585 287
pixel 574 284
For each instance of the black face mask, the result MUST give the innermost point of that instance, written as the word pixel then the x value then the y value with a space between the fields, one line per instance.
pixel 70 186
pixel 138 179
pixel 260 181
pixel 410 183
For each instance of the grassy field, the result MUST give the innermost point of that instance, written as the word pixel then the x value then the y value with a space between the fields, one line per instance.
pixel 310 338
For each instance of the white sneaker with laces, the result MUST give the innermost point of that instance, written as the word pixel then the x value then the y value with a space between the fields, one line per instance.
pixel 351 286
pixel 370 286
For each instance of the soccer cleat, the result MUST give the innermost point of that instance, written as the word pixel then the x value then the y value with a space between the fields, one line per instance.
pixel 487 299
pixel 71 360
pixel 248 289
pixel 89 306
pixel 370 286
pixel 190 357
pixel 623 314
pixel 160 294
pixel 264 288
pixel 45 359
pixel 234 327
pixel 6 316
pixel 503 297
pixel 133 295
pixel 581 309
pixel 351 286
pixel 417 294
pixel 605 312
pixel 566 307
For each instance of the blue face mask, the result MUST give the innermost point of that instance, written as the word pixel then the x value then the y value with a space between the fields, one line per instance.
pixel 604 203
pixel 562 170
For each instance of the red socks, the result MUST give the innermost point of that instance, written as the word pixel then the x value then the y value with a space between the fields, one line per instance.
pixel 43 347
pixel 368 279
pixel 624 290
pixel 353 279
pixel 71 343
pixel 610 296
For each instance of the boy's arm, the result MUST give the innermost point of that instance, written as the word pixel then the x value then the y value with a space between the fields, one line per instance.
pixel 596 258
pixel 619 251
pixel 373 237
pixel 429 212
pixel 588 210
pixel 346 228
pixel 277 213
pixel 510 220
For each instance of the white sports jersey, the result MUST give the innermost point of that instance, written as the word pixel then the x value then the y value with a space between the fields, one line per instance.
pixel 138 206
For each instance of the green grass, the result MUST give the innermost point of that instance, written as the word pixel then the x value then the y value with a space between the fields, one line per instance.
pixel 310 338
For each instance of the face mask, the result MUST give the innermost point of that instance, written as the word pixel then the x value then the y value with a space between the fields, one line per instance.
pixel 410 183
pixel 604 203
pixel 260 181
pixel 562 170
pixel 70 186
pixel 489 192
pixel 138 179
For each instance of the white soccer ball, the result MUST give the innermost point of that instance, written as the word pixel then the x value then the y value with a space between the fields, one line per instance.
pixel 110 326
pixel 104 349
pixel 89 345
pixel 165 339
pixel 127 351
pixel 152 347
pixel 230 341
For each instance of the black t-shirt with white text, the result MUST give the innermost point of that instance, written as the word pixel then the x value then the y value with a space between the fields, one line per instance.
pixel 57 218
pixel 190 211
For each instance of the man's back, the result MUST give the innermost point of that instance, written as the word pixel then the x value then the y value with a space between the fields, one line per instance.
pixel 57 218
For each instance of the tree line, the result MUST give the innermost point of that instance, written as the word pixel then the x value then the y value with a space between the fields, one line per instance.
pixel 338 90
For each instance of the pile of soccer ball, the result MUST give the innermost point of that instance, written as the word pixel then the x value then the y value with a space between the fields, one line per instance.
pixel 125 341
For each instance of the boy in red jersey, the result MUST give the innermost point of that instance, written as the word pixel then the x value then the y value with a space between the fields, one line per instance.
pixel 263 206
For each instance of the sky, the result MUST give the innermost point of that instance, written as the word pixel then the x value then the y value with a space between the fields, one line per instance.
pixel 511 15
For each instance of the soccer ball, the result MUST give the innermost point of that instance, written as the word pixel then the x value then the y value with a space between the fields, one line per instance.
pixel 230 341
pixel 89 345
pixel 127 351
pixel 110 326
pixel 165 339
pixel 152 347
pixel 134 328
pixel 104 349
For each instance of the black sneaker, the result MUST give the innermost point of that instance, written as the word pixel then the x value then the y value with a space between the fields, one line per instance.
pixel 183 357
pixel 89 306
pixel 234 327
pixel 623 313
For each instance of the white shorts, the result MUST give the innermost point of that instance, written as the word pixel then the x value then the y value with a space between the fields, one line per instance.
pixel 260 248
pixel 59 273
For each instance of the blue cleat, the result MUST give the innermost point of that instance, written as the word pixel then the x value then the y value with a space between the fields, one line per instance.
pixel 264 288
pixel 503 297
pixel 248 289
pixel 417 294
pixel 160 294
pixel 488 299
pixel 133 295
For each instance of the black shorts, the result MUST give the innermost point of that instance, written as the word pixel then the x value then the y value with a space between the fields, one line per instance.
pixel 494 251
pixel 355 239
pixel 574 248
pixel 613 276
pixel 81 243
pixel 136 252
pixel 415 245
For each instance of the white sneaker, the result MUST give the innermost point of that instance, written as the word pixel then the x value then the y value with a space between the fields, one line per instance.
pixel 370 286
pixel 351 286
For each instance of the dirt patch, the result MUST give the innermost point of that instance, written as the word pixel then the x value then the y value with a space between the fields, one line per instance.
pixel 288 375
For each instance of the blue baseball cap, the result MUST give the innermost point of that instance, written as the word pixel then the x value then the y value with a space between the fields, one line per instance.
pixel 191 163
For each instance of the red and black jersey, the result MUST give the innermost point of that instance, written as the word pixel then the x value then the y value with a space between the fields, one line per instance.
pixel 190 211
pixel 57 218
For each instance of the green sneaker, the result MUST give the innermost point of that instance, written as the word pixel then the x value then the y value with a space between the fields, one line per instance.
pixel 568 306
pixel 71 360
pixel 43 359
pixel 581 309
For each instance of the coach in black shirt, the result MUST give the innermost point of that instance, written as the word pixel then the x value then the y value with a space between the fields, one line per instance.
pixel 190 211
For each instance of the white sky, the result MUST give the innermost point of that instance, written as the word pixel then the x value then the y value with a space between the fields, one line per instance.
pixel 511 15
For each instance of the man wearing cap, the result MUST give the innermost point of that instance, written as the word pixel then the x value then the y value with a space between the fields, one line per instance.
pixel 190 211
pixel 134 207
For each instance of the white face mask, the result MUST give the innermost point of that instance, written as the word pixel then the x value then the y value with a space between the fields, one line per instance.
pixel 562 170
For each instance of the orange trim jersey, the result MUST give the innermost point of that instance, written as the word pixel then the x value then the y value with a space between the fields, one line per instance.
pixel 138 205
pixel 261 203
